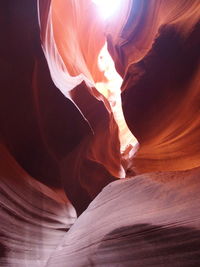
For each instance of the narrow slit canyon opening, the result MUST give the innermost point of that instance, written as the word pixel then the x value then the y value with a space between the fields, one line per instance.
pixel 99 133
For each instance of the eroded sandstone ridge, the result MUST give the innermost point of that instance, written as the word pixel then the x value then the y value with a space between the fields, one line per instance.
pixel 60 142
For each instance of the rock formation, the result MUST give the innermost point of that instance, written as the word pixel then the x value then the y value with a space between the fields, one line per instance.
pixel 60 142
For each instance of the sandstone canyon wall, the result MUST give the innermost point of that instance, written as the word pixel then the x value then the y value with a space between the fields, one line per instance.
pixel 60 143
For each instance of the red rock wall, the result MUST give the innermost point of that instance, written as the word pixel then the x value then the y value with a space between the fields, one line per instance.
pixel 59 141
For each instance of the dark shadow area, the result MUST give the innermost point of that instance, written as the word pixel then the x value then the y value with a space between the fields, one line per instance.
pixel 149 245
pixel 160 81
pixel 38 124
pixel 2 250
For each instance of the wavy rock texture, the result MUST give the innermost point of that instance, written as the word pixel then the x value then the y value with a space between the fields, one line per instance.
pixel 60 145
pixel 48 139
pixel 161 89
pixel 34 218
pixel 149 220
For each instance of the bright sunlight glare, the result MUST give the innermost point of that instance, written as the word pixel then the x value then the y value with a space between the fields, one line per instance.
pixel 107 8
pixel 111 90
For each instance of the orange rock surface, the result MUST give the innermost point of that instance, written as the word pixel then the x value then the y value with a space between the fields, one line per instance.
pixel 71 127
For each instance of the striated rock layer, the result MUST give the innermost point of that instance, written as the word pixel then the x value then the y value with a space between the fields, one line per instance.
pixel 59 141
pixel 33 218
pixel 149 220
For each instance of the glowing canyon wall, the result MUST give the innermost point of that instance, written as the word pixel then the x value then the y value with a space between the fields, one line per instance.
pixel 61 138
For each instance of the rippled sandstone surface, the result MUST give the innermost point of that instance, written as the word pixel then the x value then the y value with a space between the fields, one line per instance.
pixel 60 144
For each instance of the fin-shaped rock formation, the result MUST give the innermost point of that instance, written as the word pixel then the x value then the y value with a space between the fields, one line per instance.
pixel 63 197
